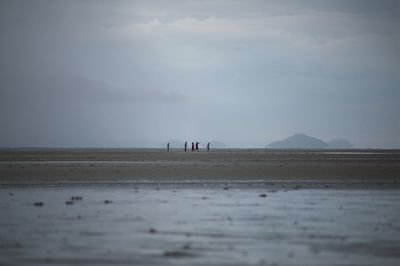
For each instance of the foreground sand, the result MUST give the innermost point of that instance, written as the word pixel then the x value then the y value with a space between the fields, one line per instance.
pixel 138 165
pixel 164 225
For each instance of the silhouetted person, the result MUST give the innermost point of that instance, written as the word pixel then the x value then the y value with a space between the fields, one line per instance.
pixel 192 146
pixel 208 146
pixel 185 145
pixel 197 146
pixel 168 146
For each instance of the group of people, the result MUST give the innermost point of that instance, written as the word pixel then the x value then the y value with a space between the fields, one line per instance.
pixel 195 146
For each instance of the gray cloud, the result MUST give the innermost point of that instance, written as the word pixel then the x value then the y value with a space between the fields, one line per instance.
pixel 135 73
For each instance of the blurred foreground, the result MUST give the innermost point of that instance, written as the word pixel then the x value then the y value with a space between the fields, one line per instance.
pixel 186 225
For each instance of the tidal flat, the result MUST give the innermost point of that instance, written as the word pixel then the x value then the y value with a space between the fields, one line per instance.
pixel 186 225
pixel 224 207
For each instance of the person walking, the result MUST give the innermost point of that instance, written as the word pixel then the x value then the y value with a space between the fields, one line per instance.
pixel 168 146
pixel 197 146
pixel 192 146
pixel 185 145
pixel 208 146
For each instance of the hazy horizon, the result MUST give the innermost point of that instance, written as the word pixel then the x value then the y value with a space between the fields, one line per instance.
pixel 246 73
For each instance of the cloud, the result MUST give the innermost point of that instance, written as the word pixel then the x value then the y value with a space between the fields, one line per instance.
pixel 250 70
pixel 187 41
pixel 190 25
pixel 75 89
pixel 325 43
pixel 310 24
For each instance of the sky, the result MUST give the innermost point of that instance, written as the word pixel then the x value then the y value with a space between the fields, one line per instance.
pixel 246 73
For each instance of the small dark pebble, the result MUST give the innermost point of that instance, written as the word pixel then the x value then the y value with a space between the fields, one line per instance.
pixel 226 188
pixel 263 195
pixel 186 246
pixel 69 202
pixel 152 231
pixel 176 254
pixel 76 198
pixel 107 201
pixel 10 194
pixel 38 204
pixel 204 198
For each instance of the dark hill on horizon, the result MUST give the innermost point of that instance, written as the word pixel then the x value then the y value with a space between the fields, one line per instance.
pixel 340 144
pixel 298 141
pixel 302 141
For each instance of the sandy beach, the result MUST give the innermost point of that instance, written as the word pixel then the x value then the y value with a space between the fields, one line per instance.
pixel 138 165
pixel 224 207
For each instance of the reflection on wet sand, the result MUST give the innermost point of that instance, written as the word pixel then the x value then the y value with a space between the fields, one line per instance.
pixel 222 224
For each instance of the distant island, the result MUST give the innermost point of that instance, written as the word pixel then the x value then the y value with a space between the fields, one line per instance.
pixel 340 144
pixel 302 141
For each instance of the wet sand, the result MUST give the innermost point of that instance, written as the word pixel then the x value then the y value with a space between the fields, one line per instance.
pixel 225 207
pixel 181 225
pixel 136 165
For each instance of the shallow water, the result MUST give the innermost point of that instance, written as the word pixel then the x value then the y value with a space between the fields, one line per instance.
pixel 150 225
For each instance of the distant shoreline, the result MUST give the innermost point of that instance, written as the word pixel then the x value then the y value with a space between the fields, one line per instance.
pixel 181 148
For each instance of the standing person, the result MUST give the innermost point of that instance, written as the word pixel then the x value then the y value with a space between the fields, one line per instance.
pixel 208 146
pixel 168 146
pixel 197 146
pixel 192 146
pixel 185 145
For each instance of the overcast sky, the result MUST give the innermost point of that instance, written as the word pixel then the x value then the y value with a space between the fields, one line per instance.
pixel 139 73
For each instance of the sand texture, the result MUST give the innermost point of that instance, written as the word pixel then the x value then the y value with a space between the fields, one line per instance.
pixel 138 165
pixel 161 225
pixel 224 207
